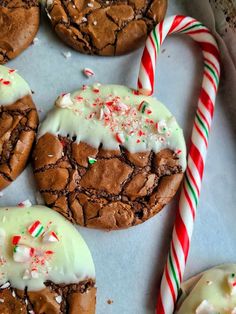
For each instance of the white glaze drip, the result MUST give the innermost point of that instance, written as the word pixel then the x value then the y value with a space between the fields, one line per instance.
pixel 113 115
pixel 12 86
pixel 70 262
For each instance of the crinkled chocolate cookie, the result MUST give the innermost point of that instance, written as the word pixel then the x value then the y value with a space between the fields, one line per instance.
pixel 105 27
pixel 109 158
pixel 19 23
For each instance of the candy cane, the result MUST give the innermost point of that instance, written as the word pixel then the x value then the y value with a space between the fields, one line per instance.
pixel 182 233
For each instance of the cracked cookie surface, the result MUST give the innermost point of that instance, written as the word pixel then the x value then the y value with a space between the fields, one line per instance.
pixel 53 299
pixel 19 23
pixel 18 125
pixel 107 158
pixel 105 27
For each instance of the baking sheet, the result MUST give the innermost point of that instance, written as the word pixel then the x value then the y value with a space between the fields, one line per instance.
pixel 129 263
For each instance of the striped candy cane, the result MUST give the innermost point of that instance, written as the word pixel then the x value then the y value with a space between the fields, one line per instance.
pixel 182 233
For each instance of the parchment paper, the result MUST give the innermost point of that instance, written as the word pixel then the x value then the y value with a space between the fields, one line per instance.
pixel 129 263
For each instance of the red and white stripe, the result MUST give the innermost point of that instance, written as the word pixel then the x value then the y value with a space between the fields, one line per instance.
pixel 183 228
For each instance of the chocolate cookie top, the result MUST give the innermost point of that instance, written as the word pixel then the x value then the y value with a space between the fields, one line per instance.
pixel 105 27
pixel 114 115
pixel 38 245
pixel 213 291
pixel 19 23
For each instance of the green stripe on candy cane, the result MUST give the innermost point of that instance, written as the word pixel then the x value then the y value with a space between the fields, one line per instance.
pixel 203 125
pixel 213 72
pixel 189 197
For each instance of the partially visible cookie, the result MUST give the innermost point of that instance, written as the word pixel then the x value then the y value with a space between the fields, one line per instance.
pixel 45 265
pixel 105 27
pixel 109 158
pixel 210 292
pixel 18 124
pixel 19 23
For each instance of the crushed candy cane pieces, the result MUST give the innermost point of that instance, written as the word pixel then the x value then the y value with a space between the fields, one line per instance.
pixel 88 72
pixel 50 236
pixel 26 203
pixel 91 160
pixel 36 229
pixel 16 239
pixel 22 253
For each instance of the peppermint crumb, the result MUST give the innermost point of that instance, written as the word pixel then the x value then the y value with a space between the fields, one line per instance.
pixel 84 19
pixel 50 155
pixel 90 5
pixel 58 299
pixel 26 203
pixel 13 293
pixel 109 301
pixel 1 301
pixel 66 54
pixel 95 23
pixel 35 40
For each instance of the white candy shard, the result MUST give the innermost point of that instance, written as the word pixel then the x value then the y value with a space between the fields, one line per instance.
pixel 35 40
pixel 66 54
pixel 22 253
pixel 50 236
pixel 26 275
pixel 205 308
pixel 64 101
pixel 34 274
pixel 162 127
pixel 58 299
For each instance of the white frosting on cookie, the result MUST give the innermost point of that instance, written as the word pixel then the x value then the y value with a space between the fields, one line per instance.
pixel 61 258
pixel 114 115
pixel 211 292
pixel 12 86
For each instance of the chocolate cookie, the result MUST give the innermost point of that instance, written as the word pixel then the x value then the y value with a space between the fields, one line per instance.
pixel 213 291
pixel 45 265
pixel 105 27
pixel 18 124
pixel 19 23
pixel 109 158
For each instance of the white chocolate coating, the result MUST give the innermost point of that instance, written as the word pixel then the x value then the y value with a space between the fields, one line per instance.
pixel 211 292
pixel 12 86
pixel 71 261
pixel 112 115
